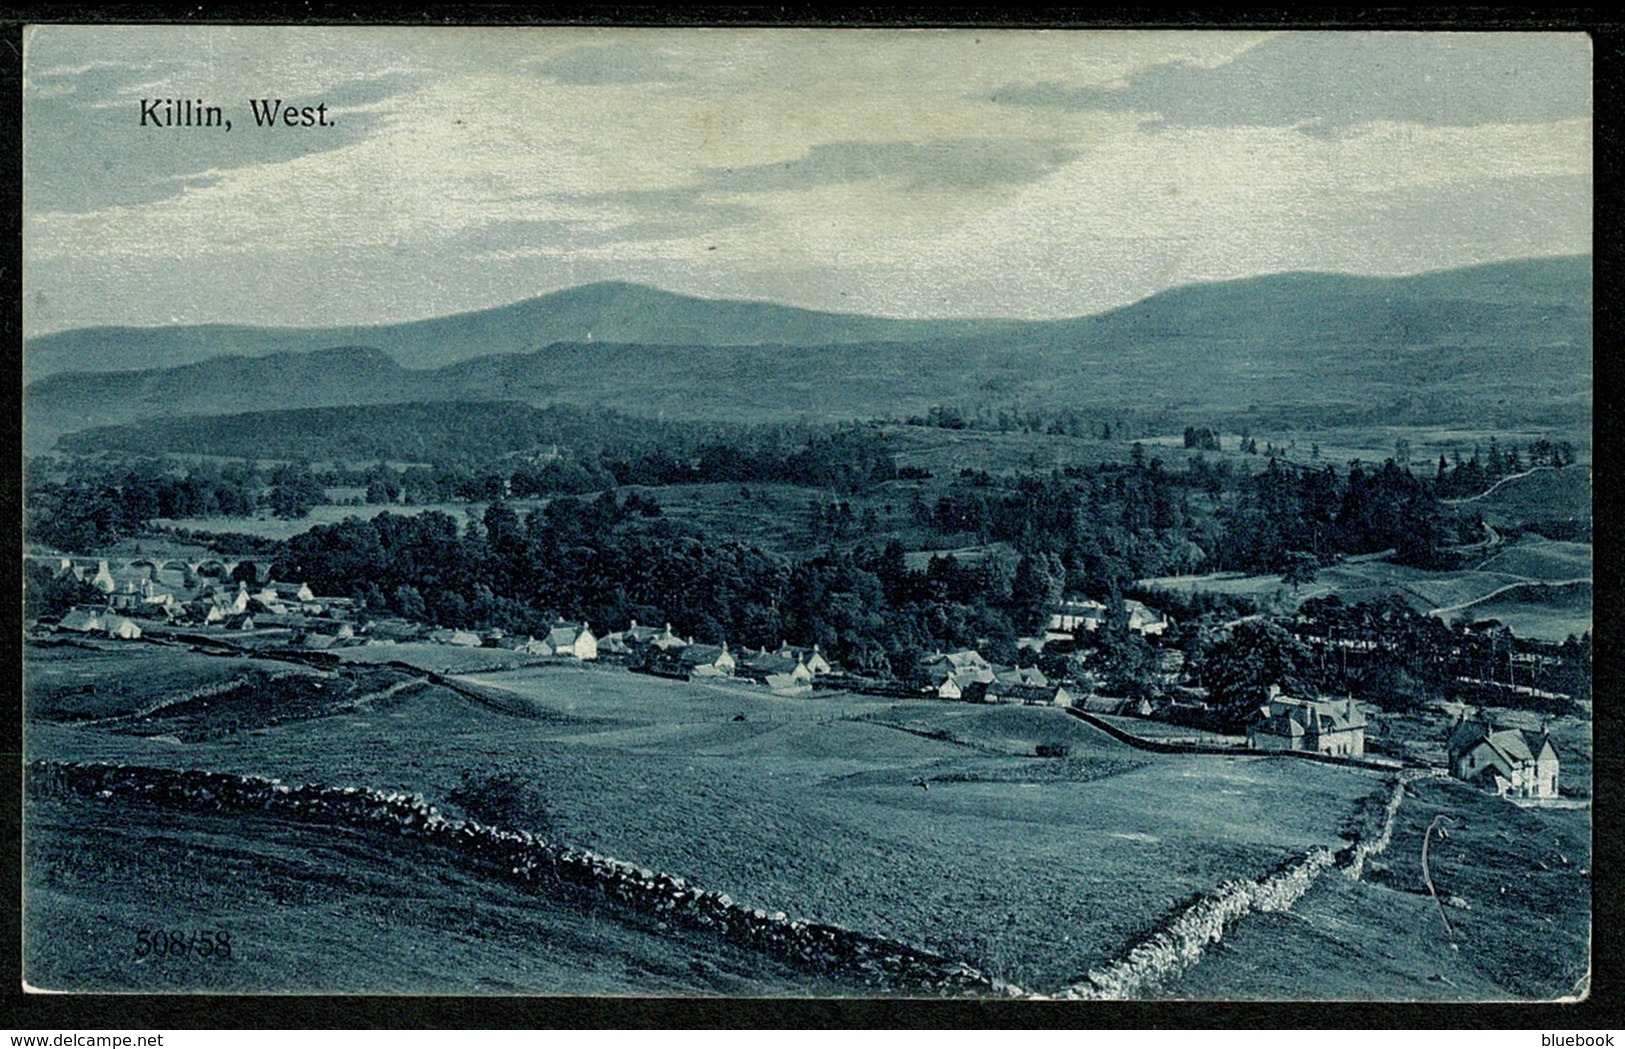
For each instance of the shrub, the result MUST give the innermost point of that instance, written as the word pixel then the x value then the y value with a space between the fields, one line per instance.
pixel 503 799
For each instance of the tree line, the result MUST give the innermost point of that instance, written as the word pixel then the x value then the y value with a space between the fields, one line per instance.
pixel 1385 652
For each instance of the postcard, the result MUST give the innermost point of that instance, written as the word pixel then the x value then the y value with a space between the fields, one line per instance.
pixel 808 513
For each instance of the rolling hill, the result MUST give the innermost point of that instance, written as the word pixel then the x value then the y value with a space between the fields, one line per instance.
pixel 1505 343
pixel 603 312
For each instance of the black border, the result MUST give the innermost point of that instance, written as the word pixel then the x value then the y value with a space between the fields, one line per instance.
pixel 1601 1010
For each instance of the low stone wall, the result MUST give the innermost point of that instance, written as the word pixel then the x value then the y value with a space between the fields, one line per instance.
pixel 1180 941
pixel 522 857
pixel 1352 857
pixel 216 688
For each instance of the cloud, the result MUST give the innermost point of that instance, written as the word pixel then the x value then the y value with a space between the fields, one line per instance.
pixel 833 170
pixel 611 64
pixel 706 203
pixel 1330 80
pixel 955 164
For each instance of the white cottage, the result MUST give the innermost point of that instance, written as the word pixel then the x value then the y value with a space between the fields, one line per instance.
pixel 1503 760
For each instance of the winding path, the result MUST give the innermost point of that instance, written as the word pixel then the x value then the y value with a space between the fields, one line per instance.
pixel 1503 589
pixel 1502 481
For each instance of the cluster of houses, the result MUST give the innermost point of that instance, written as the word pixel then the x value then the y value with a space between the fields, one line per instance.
pixel 1074 619
pixel 1503 760
pixel 177 594
pixel 787 670
pixel 565 639
pixel 966 675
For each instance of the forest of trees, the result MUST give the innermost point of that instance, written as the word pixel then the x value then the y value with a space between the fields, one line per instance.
pixel 606 561
pixel 1388 654
pixel 1090 530
pixel 1107 524
pixel 1117 522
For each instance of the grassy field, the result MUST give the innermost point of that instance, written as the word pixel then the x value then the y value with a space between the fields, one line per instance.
pixel 1546 613
pixel 1521 929
pixel 1149 729
pixel 1547 620
pixel 925 821
pixel 946 452
pixel 268 527
pixel 1537 558
pixel 442 659
pixel 1374 444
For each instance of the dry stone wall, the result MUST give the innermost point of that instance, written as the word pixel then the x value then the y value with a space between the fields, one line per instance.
pixel 1181 940
pixel 523 857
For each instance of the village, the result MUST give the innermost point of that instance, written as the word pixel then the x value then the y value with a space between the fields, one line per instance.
pixel 240 607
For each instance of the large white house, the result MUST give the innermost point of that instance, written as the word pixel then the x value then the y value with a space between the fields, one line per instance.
pixel 1503 760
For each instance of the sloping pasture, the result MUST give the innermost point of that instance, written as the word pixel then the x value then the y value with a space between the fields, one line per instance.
pixel 947 837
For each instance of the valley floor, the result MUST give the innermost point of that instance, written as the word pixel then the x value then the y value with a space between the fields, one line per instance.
pixel 924 822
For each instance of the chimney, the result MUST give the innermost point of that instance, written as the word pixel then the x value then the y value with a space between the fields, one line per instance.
pixel 1274 690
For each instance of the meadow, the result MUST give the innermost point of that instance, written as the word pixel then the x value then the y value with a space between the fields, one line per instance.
pixel 319 910
pixel 928 822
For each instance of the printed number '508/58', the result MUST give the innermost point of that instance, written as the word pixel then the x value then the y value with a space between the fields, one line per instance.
pixel 176 943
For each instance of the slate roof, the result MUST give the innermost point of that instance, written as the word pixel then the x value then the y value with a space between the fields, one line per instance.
pixel 771 663
pixel 1036 694
pixel 80 619
pixel 1287 716
pixel 960 660
pixel 702 655
pixel 639 634
pixel 1510 743
pixel 1020 676
pixel 565 635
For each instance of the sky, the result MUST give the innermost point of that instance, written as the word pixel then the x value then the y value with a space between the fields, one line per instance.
pixel 949 173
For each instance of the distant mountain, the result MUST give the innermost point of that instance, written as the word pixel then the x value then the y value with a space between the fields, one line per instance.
pixel 1507 342
pixel 605 312
pixel 342 375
